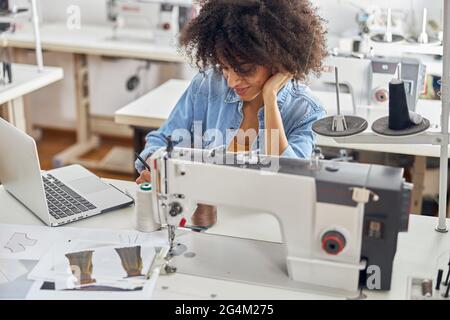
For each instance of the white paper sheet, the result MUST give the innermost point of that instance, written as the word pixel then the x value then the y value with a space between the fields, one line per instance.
pixel 36 293
pixel 105 263
pixel 10 270
pixel 20 242
pixel 106 273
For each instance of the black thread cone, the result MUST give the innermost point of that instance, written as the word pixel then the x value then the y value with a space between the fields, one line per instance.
pixel 398 106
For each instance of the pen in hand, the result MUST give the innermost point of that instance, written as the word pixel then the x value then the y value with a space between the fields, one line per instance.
pixel 142 161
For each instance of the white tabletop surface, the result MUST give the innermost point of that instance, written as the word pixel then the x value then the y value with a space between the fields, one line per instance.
pixel 152 109
pixel 417 251
pixel 96 40
pixel 26 79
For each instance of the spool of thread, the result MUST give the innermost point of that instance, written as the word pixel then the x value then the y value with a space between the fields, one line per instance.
pixel 398 106
pixel 143 210
pixel 427 288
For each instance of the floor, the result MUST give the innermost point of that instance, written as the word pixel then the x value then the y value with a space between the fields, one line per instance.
pixel 54 141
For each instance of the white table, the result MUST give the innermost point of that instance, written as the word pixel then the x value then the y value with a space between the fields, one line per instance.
pixel 152 109
pixel 94 40
pixel 26 79
pixel 417 251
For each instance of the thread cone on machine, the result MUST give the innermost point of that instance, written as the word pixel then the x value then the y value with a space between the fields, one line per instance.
pixel 398 106
pixel 81 266
pixel 131 260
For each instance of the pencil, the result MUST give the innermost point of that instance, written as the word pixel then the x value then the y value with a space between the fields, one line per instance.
pixel 142 161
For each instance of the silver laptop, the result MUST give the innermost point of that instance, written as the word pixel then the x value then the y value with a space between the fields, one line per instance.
pixel 57 196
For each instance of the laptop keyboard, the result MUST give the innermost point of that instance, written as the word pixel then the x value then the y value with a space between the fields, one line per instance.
pixel 62 201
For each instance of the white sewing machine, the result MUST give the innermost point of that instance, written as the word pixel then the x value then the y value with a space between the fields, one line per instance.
pixel 367 78
pixel 336 219
pixel 164 17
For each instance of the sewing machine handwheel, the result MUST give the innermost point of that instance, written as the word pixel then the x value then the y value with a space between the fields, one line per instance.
pixel 333 242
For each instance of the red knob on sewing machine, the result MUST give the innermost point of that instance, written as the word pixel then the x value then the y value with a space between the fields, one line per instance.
pixel 333 242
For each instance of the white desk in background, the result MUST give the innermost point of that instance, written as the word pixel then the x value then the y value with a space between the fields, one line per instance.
pixel 26 79
pixel 93 40
pixel 152 109
pixel 417 251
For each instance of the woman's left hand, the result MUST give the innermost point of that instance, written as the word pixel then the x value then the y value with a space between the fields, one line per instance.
pixel 274 84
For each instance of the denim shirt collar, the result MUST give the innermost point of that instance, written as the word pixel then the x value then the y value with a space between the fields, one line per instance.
pixel 231 96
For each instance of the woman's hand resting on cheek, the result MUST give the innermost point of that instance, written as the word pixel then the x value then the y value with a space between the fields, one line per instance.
pixel 274 84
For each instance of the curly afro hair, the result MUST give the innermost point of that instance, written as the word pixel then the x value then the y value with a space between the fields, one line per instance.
pixel 286 35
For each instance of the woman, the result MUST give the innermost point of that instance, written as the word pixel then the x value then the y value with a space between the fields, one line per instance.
pixel 251 55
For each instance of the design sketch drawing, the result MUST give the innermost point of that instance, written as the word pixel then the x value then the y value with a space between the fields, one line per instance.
pixel 18 242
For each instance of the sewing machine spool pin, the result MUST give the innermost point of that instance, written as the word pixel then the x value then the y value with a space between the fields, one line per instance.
pixel 388 33
pixel 387 36
pixel 339 123
pixel 423 36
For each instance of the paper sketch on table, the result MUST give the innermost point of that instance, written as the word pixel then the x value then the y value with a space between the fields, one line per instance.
pixel 18 242
pixel 21 242
pixel 10 270
pixel 84 267
pixel 87 265
pixel 46 237
pixel 49 291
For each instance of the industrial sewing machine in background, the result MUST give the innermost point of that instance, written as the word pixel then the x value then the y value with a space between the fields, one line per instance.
pixel 170 18
pixel 339 221
pixel 368 82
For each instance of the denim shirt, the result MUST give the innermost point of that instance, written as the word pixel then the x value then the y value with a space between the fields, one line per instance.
pixel 209 114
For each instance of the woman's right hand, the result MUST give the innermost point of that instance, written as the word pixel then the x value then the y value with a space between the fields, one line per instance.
pixel 144 177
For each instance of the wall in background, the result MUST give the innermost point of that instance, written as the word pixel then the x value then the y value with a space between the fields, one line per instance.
pixel 92 11
pixel 341 14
